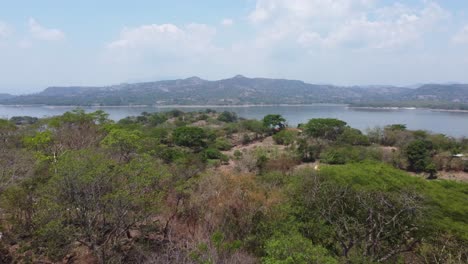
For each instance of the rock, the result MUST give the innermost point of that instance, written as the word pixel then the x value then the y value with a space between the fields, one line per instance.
pixel 134 234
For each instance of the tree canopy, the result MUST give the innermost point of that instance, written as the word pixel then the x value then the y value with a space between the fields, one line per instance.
pixel 327 128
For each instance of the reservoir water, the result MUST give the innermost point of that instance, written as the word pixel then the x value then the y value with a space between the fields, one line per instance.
pixel 445 122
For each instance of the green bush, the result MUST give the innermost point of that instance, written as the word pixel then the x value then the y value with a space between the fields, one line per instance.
pixel 346 154
pixel 293 248
pixel 227 117
pixel 353 137
pixel 285 137
pixel 189 136
pixel 223 144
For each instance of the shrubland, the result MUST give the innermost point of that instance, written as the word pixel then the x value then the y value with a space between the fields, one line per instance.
pixel 208 187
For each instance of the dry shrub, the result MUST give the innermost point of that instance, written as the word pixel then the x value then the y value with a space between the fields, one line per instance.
pixel 229 203
pixel 456 164
pixel 247 163
pixel 283 164
pixel 442 161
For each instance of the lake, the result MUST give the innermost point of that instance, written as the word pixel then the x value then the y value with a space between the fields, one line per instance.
pixel 449 123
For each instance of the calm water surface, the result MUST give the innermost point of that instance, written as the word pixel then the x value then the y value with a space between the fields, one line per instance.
pixel 449 123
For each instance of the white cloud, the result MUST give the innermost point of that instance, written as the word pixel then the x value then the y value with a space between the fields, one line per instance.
pixel 166 47
pixel 5 30
pixel 40 32
pixel 227 22
pixel 356 24
pixel 266 10
pixel 462 36
pixel 194 37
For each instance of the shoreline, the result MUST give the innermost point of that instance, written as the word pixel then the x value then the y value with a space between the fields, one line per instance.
pixel 408 108
pixel 241 106
pixel 174 106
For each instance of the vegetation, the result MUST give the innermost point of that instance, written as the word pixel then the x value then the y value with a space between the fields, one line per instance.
pixel 207 187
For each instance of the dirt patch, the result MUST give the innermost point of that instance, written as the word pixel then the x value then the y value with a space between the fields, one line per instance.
pixel 267 142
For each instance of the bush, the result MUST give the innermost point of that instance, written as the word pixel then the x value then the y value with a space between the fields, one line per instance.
pixel 293 248
pixel 285 137
pixel 353 137
pixel 189 136
pixel 212 153
pixel 223 144
pixel 342 155
pixel 227 117
pixel 246 139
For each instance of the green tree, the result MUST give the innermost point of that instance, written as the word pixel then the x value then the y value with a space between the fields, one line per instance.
pixel 227 117
pixel 327 128
pixel 124 141
pixel 353 136
pixel 419 154
pixel 192 137
pixel 274 121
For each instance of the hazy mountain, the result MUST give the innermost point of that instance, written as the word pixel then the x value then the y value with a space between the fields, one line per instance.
pixel 4 96
pixel 235 91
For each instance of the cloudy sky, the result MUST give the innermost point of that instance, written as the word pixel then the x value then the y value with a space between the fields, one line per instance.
pixel 345 42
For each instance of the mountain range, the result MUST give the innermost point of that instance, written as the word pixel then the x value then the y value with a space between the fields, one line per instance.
pixel 240 90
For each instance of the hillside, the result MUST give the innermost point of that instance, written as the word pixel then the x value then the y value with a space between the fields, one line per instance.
pixel 239 90
pixel 4 96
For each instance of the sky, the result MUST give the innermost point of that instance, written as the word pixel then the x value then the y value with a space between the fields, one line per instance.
pixel 343 42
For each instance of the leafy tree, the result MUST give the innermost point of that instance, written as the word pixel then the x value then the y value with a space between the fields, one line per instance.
pixel 419 154
pixel 192 137
pixel 327 128
pixel 353 136
pixel 274 121
pixel 227 117
pixel 124 141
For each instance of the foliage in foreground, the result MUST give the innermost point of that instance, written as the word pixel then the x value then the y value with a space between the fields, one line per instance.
pixel 167 188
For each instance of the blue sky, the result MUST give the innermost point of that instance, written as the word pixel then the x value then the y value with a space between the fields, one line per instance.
pixel 345 42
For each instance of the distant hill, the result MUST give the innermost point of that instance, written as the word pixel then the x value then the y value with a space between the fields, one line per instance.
pixel 238 90
pixel 4 96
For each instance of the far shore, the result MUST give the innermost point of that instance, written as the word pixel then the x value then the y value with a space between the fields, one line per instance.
pixel 170 106
pixel 239 106
pixel 408 108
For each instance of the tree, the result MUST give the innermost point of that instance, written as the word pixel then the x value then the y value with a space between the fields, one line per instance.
pixel 227 117
pixel 353 136
pixel 7 130
pixel 365 224
pixel 192 137
pixel 327 128
pixel 124 141
pixel 419 154
pixel 274 121
pixel 255 126
pixel 99 200
pixel 77 129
